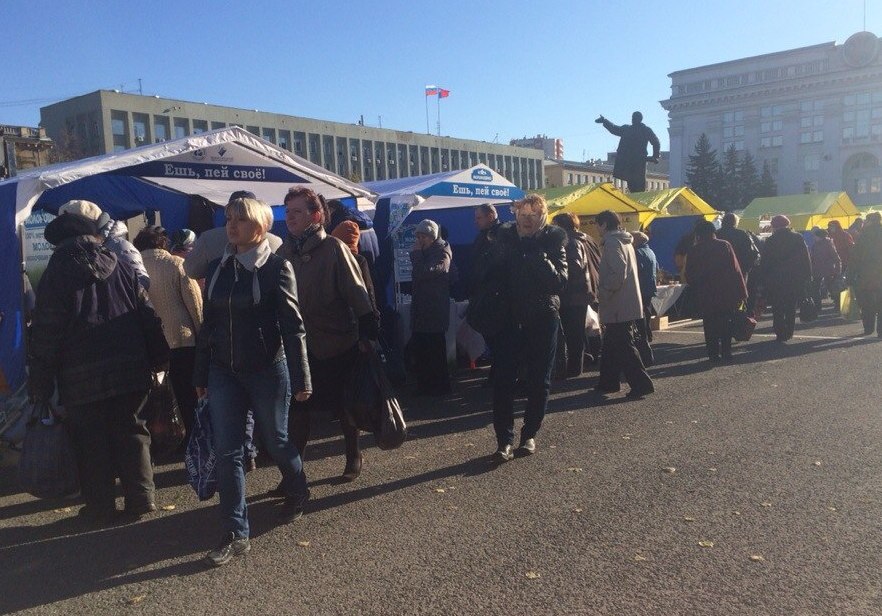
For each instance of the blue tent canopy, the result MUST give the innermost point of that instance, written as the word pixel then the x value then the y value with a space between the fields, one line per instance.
pixel 163 177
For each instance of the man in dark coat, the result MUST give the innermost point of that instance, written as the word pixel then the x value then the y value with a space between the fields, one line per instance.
pixel 713 272
pixel 785 272
pixel 430 308
pixel 631 158
pixel 482 283
pixel 865 273
pixel 742 244
pixel 95 333
pixel 826 267
pixel 647 270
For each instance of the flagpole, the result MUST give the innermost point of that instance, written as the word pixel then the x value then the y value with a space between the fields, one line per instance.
pixel 439 113
pixel 428 132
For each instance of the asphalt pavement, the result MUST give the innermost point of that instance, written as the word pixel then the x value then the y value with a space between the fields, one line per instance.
pixel 753 487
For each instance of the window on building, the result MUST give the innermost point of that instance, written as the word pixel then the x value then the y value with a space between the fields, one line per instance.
pixel 862 186
pixel 811 106
pixel 161 128
pixel 200 126
pixel 771 142
pixel 570 182
pixel 811 162
pixel 141 128
pixel 811 136
pixel 285 139
pixel 876 184
pixel 809 186
pixel 771 111
pixel 268 134
pixel 181 127
pixel 217 125
pixel 119 128
pixel 298 140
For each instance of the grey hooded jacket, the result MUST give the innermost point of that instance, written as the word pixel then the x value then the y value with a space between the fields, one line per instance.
pixel 116 240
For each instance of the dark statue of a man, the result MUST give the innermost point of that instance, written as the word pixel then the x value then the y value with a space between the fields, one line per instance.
pixel 631 157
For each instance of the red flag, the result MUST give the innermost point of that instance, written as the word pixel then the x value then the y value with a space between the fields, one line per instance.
pixel 442 93
pixel 431 90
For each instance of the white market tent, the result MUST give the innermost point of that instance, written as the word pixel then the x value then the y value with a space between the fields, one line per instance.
pixel 164 177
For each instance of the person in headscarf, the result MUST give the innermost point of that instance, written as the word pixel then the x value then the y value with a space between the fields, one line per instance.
pixel 826 267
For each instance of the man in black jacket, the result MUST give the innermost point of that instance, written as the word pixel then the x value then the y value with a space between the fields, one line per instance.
pixel 95 333
pixel 531 263
pixel 631 158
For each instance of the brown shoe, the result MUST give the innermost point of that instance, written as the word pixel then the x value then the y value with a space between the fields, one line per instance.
pixel 250 465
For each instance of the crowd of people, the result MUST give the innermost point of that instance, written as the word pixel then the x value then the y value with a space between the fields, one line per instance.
pixel 268 331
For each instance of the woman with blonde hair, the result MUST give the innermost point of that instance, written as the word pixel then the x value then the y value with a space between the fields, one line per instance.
pixel 251 354
pixel 530 260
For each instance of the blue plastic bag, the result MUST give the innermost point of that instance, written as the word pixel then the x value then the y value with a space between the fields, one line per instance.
pixel 199 458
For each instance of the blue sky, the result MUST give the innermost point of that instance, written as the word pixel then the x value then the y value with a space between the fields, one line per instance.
pixel 514 68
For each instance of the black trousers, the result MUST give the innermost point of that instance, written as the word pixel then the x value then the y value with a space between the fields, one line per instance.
pixel 826 282
pixel 871 311
pixel 718 334
pixel 784 318
pixel 620 355
pixel 643 337
pixel 430 356
pixel 637 183
pixel 572 319
pixel 180 371
pixel 109 440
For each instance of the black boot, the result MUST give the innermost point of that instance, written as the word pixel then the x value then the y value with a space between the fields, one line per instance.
pixel 353 454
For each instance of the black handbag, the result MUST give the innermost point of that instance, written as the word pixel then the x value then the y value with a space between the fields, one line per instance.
pixel 48 467
pixel 370 403
pixel 808 311
pixel 160 411
pixel 743 325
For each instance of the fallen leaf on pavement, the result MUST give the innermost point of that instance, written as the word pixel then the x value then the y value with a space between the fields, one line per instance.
pixel 168 507
pixel 757 558
pixel 552 446
pixel 688 518
pixel 817 463
pixel 577 510
pixel 532 575
pixel 713 470
pixel 575 469
pixel 694 421
pixel 766 504
pixel 64 510
pixel 626 438
pixel 440 490
pixel 831 508
pixel 136 599
pixel 639 558
pixel 669 469
pixel 737 512
pixel 303 544
pixel 706 544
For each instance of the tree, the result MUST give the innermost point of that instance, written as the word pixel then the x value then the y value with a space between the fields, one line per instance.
pixel 703 171
pixel 729 187
pixel 67 147
pixel 748 180
pixel 767 186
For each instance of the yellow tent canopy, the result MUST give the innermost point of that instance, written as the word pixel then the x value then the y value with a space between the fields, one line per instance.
pixel 804 211
pixel 589 200
pixel 681 201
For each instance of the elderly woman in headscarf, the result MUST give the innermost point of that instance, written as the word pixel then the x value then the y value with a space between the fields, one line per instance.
pixel 530 256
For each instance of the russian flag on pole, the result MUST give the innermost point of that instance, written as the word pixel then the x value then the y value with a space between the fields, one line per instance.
pixel 442 93
pixel 431 90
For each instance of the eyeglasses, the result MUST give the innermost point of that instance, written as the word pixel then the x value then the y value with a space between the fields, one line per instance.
pixel 528 215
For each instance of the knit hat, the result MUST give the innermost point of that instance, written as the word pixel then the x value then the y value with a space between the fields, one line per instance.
pixel 428 227
pixel 86 209
pixel 347 232
pixel 640 238
pixel 780 222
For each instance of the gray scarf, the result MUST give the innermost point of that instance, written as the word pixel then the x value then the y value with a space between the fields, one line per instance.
pixel 251 260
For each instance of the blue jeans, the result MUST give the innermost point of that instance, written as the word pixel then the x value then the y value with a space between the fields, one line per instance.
pixel 532 345
pixel 267 393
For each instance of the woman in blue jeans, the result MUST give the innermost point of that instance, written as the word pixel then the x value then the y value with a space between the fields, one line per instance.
pixel 251 354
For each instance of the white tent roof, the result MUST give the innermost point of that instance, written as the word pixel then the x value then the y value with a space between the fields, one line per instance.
pixel 211 164
pixel 458 188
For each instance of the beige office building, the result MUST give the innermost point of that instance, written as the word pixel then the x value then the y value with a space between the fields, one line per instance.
pixel 107 121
